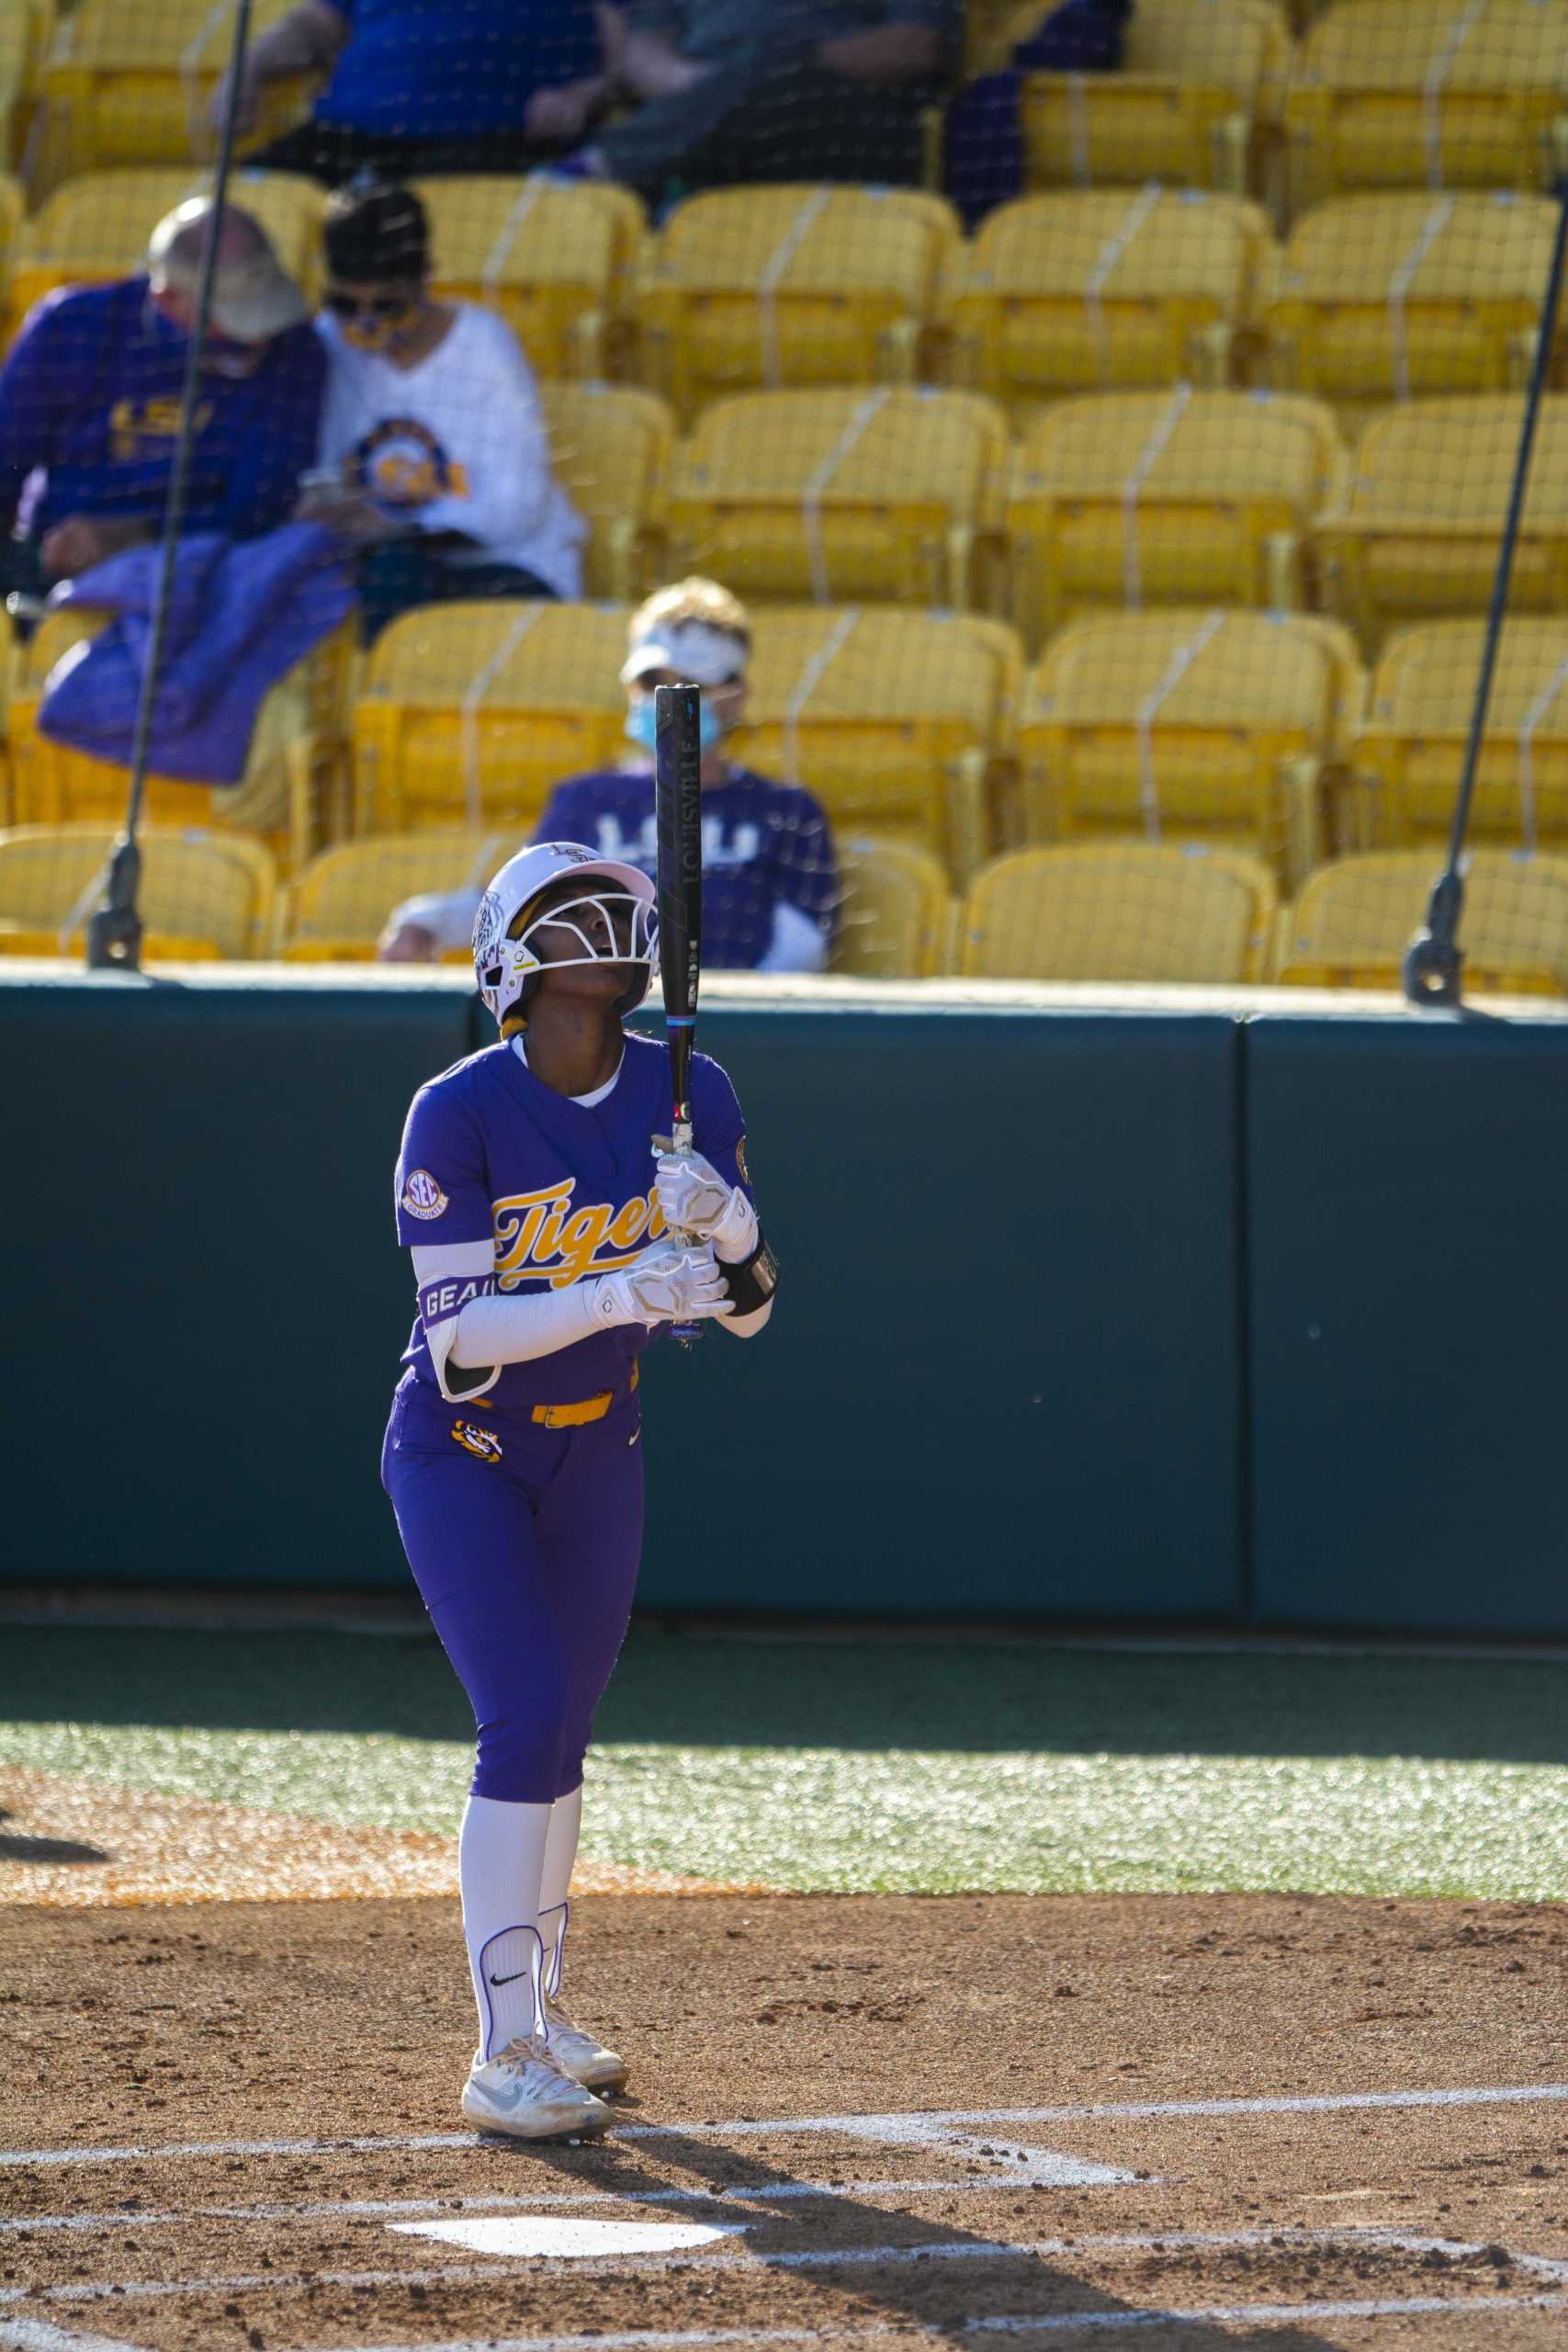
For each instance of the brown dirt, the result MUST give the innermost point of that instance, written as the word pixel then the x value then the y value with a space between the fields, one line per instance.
pixel 316 2022
pixel 75 1843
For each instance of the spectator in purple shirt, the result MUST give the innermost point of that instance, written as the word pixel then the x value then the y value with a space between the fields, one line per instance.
pixel 770 877
pixel 419 86
pixel 90 403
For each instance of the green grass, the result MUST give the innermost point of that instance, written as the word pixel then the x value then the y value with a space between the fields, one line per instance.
pixel 863 1765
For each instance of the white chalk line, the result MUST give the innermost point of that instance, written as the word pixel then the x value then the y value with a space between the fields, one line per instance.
pixel 1325 2103
pixel 338 2209
pixel 1241 2315
pixel 1056 2322
pixel 41 2335
pixel 1352 2238
pixel 642 2339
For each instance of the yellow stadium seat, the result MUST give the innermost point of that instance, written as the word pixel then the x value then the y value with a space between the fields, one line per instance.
pixel 202 894
pixel 896 918
pixel 295 731
pixel 760 288
pixel 1382 297
pixel 1095 290
pixel 96 228
pixel 469 714
pixel 1410 753
pixel 1429 93
pixel 892 494
pixel 1119 911
pixel 554 259
pixel 901 723
pixel 1200 83
pixel 990 30
pixel 1416 533
pixel 1354 921
pixel 343 898
pixel 132 82
pixel 26 27
pixel 1179 497
pixel 1220 726
pixel 611 449
pixel 11 209
pixel 15 95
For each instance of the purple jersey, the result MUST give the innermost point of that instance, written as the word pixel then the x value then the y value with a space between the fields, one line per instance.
pixel 762 841
pixel 490 1153
pixel 89 408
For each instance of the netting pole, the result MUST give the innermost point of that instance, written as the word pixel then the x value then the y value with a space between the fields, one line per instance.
pixel 1433 963
pixel 114 929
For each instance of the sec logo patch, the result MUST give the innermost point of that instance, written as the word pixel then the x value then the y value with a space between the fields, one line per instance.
pixel 423 1196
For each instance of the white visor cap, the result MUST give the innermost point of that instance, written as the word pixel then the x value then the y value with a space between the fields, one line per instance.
pixel 699 654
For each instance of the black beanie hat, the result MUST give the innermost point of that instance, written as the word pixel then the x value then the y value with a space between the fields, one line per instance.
pixel 373 231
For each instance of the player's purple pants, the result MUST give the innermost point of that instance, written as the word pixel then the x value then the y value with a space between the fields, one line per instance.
pixel 524 1544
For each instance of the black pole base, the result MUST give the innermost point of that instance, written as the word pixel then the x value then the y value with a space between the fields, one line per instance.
pixel 114 928
pixel 1432 970
pixel 1434 961
pixel 114 940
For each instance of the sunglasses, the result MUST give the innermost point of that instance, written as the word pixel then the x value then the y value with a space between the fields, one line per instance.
pixel 374 306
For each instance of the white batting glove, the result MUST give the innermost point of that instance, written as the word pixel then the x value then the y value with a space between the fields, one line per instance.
pixel 696 1200
pixel 671 1282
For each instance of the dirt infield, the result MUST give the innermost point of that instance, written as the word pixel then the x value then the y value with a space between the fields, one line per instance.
pixel 79 1841
pixel 1203 2122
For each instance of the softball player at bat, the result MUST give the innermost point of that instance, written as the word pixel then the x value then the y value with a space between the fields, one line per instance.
pixel 551 1237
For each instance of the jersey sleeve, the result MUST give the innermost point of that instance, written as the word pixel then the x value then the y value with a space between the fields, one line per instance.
pixel 442 1188
pixel 718 1128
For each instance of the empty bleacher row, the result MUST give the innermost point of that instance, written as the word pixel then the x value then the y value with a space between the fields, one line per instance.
pixel 1128 912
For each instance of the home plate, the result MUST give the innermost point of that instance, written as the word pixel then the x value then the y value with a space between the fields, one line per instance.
pixel 554 2236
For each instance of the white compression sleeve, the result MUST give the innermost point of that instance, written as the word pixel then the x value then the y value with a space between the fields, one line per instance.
pixel 487 1332
pixel 500 1858
pixel 518 1331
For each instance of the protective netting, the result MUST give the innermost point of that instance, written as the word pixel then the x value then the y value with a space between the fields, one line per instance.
pixel 1069 445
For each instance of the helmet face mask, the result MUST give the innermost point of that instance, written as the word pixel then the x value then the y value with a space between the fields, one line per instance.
pixel 508 965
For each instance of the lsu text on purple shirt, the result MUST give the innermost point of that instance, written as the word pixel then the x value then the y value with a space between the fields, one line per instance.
pixel 492 1154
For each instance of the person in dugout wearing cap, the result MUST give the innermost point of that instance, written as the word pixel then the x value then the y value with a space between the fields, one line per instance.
pixel 770 876
pixel 90 403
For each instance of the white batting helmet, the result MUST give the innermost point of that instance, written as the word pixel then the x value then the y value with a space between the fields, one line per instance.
pixel 507 971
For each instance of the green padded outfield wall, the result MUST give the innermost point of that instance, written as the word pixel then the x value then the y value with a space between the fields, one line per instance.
pixel 193 1177
pixel 1407 1226
pixel 1002 1378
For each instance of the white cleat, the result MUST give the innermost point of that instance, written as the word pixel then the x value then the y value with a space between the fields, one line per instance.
pixel 586 2060
pixel 528 2093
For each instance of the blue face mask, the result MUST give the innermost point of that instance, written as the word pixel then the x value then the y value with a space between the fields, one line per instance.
pixel 641 728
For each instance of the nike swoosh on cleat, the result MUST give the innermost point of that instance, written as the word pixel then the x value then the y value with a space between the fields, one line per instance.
pixel 506 2101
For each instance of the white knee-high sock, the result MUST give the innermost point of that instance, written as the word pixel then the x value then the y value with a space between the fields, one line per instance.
pixel 555 1883
pixel 501 1859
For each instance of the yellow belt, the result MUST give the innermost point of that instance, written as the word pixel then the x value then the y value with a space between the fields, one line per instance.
pixel 574 1416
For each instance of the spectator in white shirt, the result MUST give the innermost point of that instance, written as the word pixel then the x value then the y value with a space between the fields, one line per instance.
pixel 433 460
